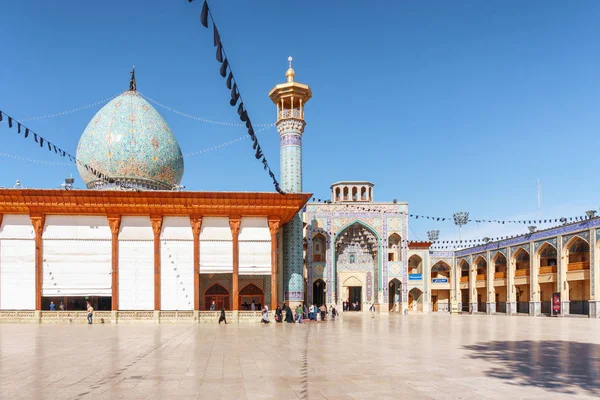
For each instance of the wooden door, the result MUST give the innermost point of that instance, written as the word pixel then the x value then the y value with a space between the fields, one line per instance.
pixel 434 300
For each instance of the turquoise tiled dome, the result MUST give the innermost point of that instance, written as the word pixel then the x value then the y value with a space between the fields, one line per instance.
pixel 129 141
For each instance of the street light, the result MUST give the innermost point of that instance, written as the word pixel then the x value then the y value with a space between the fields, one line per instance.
pixel 531 228
pixel 460 218
pixel 591 213
pixel 433 235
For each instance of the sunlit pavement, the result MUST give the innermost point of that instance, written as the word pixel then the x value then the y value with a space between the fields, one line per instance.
pixel 434 356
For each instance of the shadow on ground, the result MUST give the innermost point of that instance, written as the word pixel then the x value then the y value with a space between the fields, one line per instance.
pixel 558 366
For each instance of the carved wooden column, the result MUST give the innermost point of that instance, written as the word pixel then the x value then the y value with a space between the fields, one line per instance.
pixel 234 224
pixel 196 227
pixel 273 228
pixel 38 221
pixel 156 227
pixel 114 222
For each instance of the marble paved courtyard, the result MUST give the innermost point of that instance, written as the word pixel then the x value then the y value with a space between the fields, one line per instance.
pixel 419 357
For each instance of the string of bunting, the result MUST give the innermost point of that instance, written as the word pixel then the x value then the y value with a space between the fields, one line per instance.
pixel 43 142
pixel 442 219
pixel 231 83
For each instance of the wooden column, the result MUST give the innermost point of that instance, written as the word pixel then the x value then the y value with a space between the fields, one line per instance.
pixel 156 227
pixel 38 221
pixel 234 224
pixel 273 228
pixel 114 221
pixel 196 227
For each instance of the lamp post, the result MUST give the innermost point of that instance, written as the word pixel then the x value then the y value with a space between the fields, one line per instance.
pixel 433 235
pixel 590 213
pixel 460 218
pixel 531 228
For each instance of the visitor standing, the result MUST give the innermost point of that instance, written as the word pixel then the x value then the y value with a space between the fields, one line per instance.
pixel 62 306
pixel 90 312
pixel 52 306
pixel 289 314
pixel 299 313
pixel 253 306
pixel 372 309
pixel 222 316
pixel 323 311
pixel 213 306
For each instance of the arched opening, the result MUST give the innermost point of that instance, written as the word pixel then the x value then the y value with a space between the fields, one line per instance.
pixel 415 267
pixel 346 195
pixel 394 253
pixel 395 295
pixel 354 194
pixel 522 288
pixel 319 292
pixel 370 194
pixel 440 287
pixel 578 276
pixel 363 193
pixel 251 297
pixel 464 285
pixel 548 261
pixel 318 247
pixel 481 283
pixel 218 296
pixel 353 288
pixel 357 254
pixel 337 194
pixel 499 263
pixel 415 300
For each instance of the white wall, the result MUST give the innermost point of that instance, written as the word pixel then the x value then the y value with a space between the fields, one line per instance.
pixel 77 256
pixel 216 246
pixel 177 264
pixel 136 264
pixel 255 246
pixel 17 263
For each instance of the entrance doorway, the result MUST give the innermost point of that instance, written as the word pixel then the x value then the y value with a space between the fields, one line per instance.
pixel 217 294
pixel 434 300
pixel 355 297
pixel 395 290
pixel 319 290
pixel 251 293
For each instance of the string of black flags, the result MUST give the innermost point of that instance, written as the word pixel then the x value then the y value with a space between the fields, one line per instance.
pixel 28 133
pixel 232 85
pixel 563 220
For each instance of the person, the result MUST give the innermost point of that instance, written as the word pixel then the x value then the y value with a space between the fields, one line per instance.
pixel 278 314
pixel 213 306
pixel 222 316
pixel 305 311
pixel 265 315
pixel 299 313
pixel 372 309
pixel 323 310
pixel 52 306
pixel 311 312
pixel 62 306
pixel 289 314
pixel 90 312
pixel 333 314
pixel 252 306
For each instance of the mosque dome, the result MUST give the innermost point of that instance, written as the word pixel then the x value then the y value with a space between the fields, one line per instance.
pixel 129 141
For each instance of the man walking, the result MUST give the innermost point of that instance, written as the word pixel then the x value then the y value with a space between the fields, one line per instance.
pixel 90 312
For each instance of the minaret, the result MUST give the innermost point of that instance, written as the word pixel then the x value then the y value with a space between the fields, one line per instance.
pixel 290 98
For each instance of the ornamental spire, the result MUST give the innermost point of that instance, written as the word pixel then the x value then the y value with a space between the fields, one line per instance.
pixel 132 85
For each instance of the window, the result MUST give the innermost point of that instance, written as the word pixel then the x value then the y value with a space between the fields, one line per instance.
pixel 316 257
pixel 352 258
pixel 390 256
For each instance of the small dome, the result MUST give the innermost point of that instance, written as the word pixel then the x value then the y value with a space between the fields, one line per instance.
pixel 129 141
pixel 290 73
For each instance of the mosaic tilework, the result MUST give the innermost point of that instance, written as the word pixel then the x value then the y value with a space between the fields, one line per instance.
pixel 128 138
pixel 584 235
pixel 593 258
pixel 405 258
pixel 383 282
pixel 539 243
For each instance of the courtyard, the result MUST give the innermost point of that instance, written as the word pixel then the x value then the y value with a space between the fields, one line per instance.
pixel 356 357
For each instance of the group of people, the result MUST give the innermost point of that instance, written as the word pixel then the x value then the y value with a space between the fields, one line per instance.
pixel 88 308
pixel 348 306
pixel 61 306
pixel 303 312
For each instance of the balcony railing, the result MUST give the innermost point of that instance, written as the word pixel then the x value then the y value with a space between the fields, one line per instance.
pixel 464 279
pixel 480 277
pixel 500 275
pixel 295 113
pixel 522 272
pixel 548 270
pixel 578 266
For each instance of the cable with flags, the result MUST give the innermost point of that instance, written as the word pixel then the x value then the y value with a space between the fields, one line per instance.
pixel 43 142
pixel 231 83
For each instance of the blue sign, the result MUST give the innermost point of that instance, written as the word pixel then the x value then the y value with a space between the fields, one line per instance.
pixel 415 277
pixel 439 280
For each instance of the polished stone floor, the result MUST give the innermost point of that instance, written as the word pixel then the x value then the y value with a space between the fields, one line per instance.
pixel 419 357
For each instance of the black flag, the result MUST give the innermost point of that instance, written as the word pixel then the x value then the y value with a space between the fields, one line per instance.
pixel 217 37
pixel 204 15
pixel 220 53
pixel 223 69
pixel 228 83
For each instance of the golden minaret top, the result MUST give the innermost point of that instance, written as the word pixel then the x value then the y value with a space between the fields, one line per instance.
pixel 290 97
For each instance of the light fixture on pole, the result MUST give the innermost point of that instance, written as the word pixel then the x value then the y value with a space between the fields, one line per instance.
pixel 68 184
pixel 531 228
pixel 460 219
pixel 18 185
pixel 433 235
pixel 563 220
pixel 486 239
pixel 590 213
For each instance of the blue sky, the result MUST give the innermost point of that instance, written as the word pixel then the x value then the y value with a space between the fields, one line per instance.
pixel 450 106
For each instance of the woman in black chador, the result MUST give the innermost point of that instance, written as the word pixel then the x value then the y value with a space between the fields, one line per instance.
pixel 289 314
pixel 222 317
pixel 278 314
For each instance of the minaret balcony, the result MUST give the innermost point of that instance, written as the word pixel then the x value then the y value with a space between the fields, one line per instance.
pixel 293 113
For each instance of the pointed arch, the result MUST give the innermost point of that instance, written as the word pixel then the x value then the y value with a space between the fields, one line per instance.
pixel 575 242
pixel 544 248
pixel 352 281
pixel 415 264
pixel 319 251
pixel 499 258
pixel 216 295
pixel 519 252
